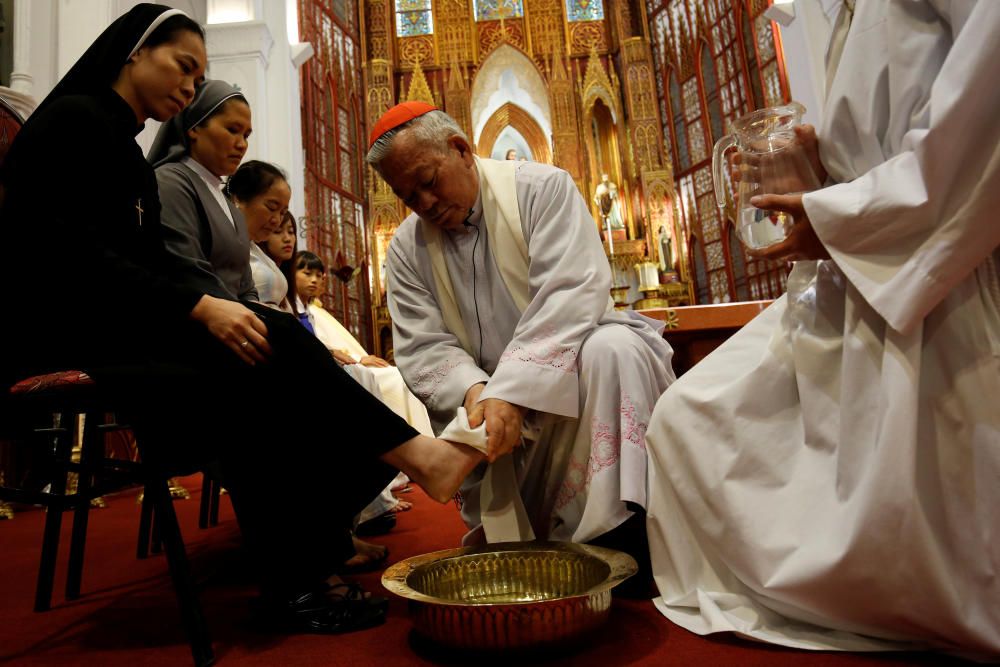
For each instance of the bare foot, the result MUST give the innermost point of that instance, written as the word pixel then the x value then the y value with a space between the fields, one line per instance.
pixel 366 553
pixel 402 506
pixel 436 465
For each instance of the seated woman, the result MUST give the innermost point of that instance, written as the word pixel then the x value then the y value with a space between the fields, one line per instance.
pixel 261 193
pixel 197 235
pixel 201 229
pixel 183 358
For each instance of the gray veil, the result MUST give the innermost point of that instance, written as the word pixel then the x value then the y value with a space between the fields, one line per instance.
pixel 171 143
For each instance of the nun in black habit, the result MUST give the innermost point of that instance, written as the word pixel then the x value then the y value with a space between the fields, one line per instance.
pixel 183 361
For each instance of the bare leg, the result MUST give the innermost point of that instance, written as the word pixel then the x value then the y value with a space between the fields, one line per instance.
pixel 436 465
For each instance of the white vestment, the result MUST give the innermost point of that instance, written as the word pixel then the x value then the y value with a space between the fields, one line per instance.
pixel 588 377
pixel 830 476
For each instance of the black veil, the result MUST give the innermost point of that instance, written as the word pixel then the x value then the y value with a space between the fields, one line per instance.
pixel 100 64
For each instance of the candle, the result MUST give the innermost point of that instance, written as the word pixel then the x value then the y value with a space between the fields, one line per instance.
pixel 607 225
pixel 647 274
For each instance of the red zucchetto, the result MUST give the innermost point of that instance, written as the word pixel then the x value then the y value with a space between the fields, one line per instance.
pixel 396 116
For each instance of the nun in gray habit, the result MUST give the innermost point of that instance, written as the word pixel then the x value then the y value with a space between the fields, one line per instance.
pixel 201 227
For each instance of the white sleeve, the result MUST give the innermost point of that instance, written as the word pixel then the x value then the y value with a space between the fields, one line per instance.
pixel 908 231
pixel 433 364
pixel 569 279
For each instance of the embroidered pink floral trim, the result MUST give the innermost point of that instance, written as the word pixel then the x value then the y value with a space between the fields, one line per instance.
pixel 427 381
pixel 633 430
pixel 605 450
pixel 544 350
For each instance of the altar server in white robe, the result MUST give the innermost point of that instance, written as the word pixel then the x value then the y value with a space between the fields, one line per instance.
pixel 830 476
pixel 498 290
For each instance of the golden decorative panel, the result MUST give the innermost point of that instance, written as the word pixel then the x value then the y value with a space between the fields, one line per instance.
pixel 419 90
pixel 494 33
pixel 624 19
pixel 646 144
pixel 545 23
pixel 378 97
pixel 416 50
pixel 597 85
pixel 457 98
pixel 377 28
pixel 454 29
pixel 588 35
pixel 642 99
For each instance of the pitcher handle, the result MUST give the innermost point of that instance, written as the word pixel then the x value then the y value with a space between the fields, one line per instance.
pixel 718 163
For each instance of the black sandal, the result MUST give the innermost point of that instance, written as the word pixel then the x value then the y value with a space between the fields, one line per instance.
pixel 330 609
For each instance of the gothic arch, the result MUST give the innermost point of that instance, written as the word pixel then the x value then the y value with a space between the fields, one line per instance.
pixel 508 76
pixel 523 122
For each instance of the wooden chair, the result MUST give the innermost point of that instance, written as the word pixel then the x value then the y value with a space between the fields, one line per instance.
pixel 42 411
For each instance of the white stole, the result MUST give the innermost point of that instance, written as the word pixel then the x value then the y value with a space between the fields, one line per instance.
pixel 503 515
pixel 502 218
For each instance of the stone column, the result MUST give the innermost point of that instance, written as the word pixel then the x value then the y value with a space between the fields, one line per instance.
pixel 22 83
pixel 239 53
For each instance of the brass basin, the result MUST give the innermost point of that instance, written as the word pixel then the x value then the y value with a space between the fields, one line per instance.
pixel 510 594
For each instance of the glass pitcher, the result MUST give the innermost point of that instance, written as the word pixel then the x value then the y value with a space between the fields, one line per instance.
pixel 771 162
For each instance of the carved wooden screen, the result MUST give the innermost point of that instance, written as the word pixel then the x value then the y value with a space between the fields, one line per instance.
pixel 715 60
pixel 334 156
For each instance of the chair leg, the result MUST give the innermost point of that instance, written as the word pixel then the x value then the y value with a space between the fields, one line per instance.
pixel 62 444
pixel 206 499
pixel 216 497
pixel 91 451
pixel 145 526
pixel 156 540
pixel 180 572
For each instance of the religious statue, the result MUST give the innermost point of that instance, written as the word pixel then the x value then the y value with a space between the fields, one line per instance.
pixel 666 248
pixel 511 154
pixel 606 199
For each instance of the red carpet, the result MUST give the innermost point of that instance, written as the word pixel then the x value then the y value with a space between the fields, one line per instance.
pixel 128 613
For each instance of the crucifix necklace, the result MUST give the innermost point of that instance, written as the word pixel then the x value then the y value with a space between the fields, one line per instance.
pixel 139 209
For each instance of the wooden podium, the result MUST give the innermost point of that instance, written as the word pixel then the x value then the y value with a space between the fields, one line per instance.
pixel 694 331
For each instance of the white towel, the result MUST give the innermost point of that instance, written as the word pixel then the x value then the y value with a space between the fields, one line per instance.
pixel 504 517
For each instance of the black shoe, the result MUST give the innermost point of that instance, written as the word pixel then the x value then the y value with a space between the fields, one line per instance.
pixel 327 610
pixel 380 525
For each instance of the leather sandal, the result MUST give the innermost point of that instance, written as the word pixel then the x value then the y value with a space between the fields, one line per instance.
pixel 326 610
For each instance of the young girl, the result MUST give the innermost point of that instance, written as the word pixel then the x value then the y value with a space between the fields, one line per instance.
pixel 281 247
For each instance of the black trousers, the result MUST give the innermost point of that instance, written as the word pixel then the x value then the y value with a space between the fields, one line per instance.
pixel 296 483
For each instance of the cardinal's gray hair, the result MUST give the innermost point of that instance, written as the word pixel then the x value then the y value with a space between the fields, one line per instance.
pixel 431 130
